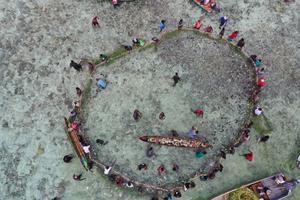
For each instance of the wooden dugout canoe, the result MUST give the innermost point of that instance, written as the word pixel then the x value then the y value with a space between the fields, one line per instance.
pixel 76 144
pixel 206 7
pixel 249 191
pixel 175 141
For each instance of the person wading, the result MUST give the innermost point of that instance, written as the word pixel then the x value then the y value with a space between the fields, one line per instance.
pixel 233 36
pixel 176 79
pixel 248 156
pixel 76 66
pixel 180 24
pixel 223 21
pixel 137 115
pixel 241 43
pixel 162 25
pixel 95 22
pixel 221 34
pixel 198 24
pixel 78 177
pixel 68 158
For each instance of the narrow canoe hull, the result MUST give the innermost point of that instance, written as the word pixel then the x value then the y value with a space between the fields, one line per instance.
pixel 207 7
pixel 77 146
pixel 277 191
pixel 175 141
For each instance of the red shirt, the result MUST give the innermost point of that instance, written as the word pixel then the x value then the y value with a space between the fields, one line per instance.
pixel 233 35
pixel 94 21
pixel 198 25
pixel 199 112
pixel 261 82
pixel 249 156
pixel 161 169
pixel 208 29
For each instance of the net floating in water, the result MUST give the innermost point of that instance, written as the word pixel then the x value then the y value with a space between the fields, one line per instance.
pixel 175 141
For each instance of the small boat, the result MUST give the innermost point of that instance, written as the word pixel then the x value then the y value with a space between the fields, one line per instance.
pixel 175 141
pixel 265 189
pixel 77 145
pixel 207 7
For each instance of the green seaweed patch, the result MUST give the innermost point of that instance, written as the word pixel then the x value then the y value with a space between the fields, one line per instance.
pixel 243 194
pixel 86 95
pixel 117 53
pixel 262 125
pixel 40 150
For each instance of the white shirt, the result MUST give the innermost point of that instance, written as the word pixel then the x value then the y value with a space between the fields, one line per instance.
pixel 257 111
pixel 86 149
pixel 298 158
pixel 107 170
pixel 129 185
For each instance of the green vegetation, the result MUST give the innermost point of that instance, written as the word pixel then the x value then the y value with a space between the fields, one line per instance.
pixel 262 125
pixel 243 194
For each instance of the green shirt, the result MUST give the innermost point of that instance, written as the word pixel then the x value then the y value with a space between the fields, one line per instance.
pixel 199 154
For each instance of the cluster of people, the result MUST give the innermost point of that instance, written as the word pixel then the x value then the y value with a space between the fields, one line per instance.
pixel 137 115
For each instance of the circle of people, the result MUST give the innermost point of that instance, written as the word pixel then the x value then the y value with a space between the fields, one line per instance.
pixel 137 115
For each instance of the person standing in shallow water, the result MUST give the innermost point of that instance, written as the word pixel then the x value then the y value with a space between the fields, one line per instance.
pixel 223 21
pixel 137 115
pixel 176 79
pixel 78 91
pixel 241 43
pixel 68 158
pixel 180 24
pixel 162 25
pixel 233 36
pixel 78 177
pixel 248 156
pixel 263 139
pixel 76 66
pixel 221 34
pixel 150 152
pixel 162 116
pixel 95 22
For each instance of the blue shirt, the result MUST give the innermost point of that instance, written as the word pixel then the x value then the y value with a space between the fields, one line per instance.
pixel 258 63
pixel 101 84
pixel 223 20
pixel 192 134
pixel 162 26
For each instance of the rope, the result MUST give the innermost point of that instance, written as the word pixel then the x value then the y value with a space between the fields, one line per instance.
pixel 161 37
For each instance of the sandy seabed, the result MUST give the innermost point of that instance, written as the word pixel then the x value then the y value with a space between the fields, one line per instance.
pixel 38 40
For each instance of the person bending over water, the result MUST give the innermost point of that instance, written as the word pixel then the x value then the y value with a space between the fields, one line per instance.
pixel 78 177
pixel 101 142
pixel 142 166
pixel 176 79
pixel 76 66
pixel 137 115
pixel 68 158
pixel 162 116
pixel 150 152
